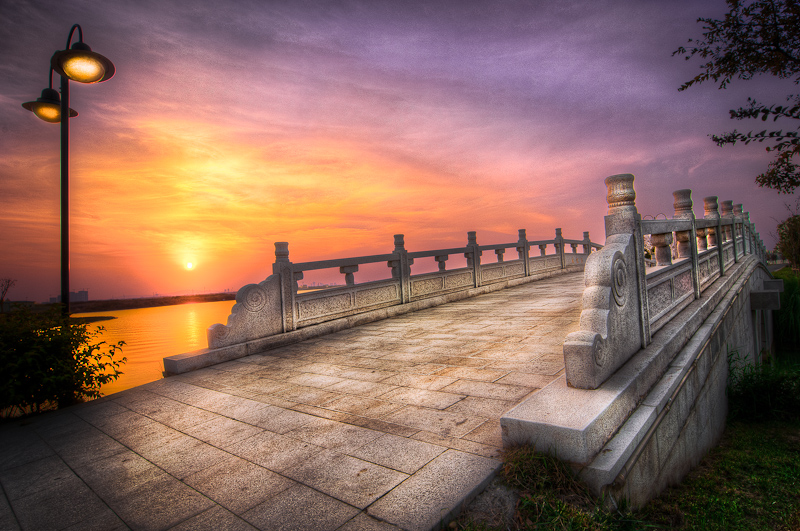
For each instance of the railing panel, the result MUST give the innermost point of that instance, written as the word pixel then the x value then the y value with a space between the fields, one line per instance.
pixel 324 305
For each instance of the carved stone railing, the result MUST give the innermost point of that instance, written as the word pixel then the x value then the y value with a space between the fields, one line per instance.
pixel 625 301
pixel 274 306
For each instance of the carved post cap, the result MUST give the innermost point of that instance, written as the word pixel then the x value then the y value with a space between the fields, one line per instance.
pixel 683 203
pixel 399 242
pixel 558 233
pixel 621 195
pixel 747 216
pixel 738 209
pixel 711 207
pixel 472 238
pixel 586 236
pixel 727 208
pixel 523 234
pixel 281 251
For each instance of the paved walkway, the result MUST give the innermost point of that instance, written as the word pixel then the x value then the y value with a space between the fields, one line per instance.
pixel 389 424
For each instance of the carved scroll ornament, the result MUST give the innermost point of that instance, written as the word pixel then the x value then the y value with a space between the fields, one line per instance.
pixel 609 333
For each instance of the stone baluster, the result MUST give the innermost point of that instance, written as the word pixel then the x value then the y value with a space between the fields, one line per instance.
pixel 348 274
pixel 499 253
pixel 683 210
pixel 473 256
pixel 587 243
pixel 662 243
pixel 711 209
pixel 441 259
pixel 543 249
pixel 574 247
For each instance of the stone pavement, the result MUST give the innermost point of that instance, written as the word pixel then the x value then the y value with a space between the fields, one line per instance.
pixel 390 424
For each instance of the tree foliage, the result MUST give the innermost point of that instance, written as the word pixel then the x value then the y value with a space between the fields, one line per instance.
pixel 758 37
pixel 49 360
pixel 789 241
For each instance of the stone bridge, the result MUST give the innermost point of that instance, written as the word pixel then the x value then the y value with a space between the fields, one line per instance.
pixel 385 404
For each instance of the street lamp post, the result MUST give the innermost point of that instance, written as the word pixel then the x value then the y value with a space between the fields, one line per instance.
pixel 80 64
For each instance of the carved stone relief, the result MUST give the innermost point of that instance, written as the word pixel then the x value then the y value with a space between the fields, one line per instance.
pixel 257 313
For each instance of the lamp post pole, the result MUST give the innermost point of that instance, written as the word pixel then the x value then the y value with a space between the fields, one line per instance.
pixel 65 194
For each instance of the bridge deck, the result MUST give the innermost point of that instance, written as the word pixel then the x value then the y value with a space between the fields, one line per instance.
pixel 395 421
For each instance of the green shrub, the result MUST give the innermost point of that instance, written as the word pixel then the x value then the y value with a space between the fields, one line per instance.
pixel 787 319
pixel 47 361
pixel 765 391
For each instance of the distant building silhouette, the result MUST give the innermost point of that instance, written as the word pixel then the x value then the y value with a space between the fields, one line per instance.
pixel 74 296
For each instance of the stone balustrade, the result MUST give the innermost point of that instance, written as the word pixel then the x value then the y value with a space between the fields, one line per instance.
pixel 274 306
pixel 628 299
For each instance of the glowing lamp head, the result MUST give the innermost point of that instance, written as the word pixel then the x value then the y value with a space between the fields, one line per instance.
pixel 48 107
pixel 81 64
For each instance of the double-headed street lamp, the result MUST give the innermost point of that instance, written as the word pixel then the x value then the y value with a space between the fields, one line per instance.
pixel 78 63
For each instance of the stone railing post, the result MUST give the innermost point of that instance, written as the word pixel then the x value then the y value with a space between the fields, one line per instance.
pixel 748 233
pixel 715 234
pixel 738 212
pixel 587 243
pixel 730 230
pixel 282 268
pixel 401 267
pixel 474 256
pixel 524 251
pixel 687 240
pixel 614 322
pixel 560 247
pixel 683 210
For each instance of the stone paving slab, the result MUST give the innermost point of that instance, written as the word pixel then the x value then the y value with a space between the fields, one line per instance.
pixel 390 425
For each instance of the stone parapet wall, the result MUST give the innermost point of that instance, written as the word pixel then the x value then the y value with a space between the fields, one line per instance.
pixel 642 398
pixel 273 313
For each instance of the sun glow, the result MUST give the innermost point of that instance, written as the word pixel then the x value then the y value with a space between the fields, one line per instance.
pixel 189 265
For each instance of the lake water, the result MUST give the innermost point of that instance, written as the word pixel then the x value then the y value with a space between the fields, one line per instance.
pixel 151 334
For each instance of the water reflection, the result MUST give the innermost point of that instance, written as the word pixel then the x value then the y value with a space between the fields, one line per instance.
pixel 151 334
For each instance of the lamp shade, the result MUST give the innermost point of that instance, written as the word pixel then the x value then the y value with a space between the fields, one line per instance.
pixel 48 107
pixel 81 64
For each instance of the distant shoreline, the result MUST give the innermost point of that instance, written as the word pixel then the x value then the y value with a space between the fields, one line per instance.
pixel 146 302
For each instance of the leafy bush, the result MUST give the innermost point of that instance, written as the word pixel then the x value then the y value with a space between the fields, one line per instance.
pixel 765 391
pixel 48 360
pixel 789 241
pixel 787 319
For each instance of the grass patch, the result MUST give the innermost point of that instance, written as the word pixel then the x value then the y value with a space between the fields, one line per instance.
pixel 749 482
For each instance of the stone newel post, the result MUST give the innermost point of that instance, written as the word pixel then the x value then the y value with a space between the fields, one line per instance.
pixel 587 243
pixel 401 267
pixel 612 326
pixel 683 210
pixel 473 256
pixel 524 251
pixel 727 213
pixel 711 209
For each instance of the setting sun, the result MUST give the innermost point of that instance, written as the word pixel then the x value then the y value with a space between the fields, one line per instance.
pixel 189 265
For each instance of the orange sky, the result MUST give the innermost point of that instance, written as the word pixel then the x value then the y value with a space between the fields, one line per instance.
pixel 227 129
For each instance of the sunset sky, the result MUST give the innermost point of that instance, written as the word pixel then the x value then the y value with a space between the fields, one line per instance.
pixel 334 125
